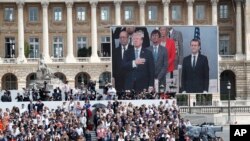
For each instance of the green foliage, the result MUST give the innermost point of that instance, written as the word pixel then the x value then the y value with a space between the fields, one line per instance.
pixel 26 49
pixel 84 52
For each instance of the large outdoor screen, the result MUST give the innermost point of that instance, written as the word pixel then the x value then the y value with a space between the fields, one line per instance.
pixel 174 59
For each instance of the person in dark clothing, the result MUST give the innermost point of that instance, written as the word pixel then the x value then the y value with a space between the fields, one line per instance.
pixel 19 97
pixel 39 106
pixel 87 135
pixel 31 107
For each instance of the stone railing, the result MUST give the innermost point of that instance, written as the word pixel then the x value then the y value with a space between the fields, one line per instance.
pixel 227 57
pixel 58 59
pixel 32 60
pixel 105 59
pixel 83 59
pixel 9 60
pixel 214 110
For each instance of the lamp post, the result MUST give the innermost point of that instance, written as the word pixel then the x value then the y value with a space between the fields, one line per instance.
pixel 229 100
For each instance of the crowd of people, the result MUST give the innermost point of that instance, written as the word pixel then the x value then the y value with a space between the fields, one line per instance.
pixel 74 121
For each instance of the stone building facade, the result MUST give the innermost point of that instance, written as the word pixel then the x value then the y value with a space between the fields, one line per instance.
pixel 59 28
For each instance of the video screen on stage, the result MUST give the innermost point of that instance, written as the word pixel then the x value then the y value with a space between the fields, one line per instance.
pixel 171 59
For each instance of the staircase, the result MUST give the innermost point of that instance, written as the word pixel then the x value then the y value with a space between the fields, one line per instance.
pixel 93 136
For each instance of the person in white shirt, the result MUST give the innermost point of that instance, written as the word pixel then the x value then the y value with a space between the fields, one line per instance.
pixel 111 92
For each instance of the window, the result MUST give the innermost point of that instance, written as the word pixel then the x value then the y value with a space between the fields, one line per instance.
pixel 58 47
pixel 176 12
pixel 34 48
pixel 81 13
pixel 224 45
pixel 81 42
pixel 128 13
pixel 105 46
pixel 152 13
pixel 200 12
pixel 9 14
pixel 223 11
pixel 82 50
pixel 33 14
pixel 104 13
pixel 58 14
pixel 10 47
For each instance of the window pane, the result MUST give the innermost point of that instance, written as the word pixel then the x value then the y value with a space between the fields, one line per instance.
pixel 152 12
pixel 128 13
pixel 81 13
pixel 8 14
pixel 224 45
pixel 223 11
pixel 200 12
pixel 34 48
pixel 58 14
pixel 176 12
pixel 33 14
pixel 105 13
pixel 58 47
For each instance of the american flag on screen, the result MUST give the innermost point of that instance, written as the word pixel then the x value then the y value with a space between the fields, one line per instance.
pixel 197 33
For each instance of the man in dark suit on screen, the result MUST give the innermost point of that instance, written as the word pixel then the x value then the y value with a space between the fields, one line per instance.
pixel 118 55
pixel 195 70
pixel 160 57
pixel 139 63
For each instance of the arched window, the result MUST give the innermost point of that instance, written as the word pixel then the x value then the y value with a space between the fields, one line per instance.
pixel 81 78
pixel 30 79
pixel 9 82
pixel 225 77
pixel 104 77
pixel 61 76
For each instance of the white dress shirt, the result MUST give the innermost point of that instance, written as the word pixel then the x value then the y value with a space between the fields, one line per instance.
pixel 139 52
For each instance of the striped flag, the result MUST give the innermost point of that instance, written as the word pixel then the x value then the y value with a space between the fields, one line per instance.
pixel 197 33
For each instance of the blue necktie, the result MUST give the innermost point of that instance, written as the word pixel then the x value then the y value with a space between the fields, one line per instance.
pixel 155 54
pixel 136 53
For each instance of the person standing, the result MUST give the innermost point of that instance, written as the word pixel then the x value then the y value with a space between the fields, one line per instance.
pixel 160 58
pixel 118 56
pixel 195 70
pixel 140 66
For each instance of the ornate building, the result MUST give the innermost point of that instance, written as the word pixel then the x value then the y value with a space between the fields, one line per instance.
pixel 66 31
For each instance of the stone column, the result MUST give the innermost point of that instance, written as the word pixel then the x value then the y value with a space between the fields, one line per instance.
pixel 238 30
pixel 21 57
pixel 166 11
pixel 190 12
pixel 117 12
pixel 214 11
pixel 247 29
pixel 94 56
pixel 69 57
pixel 142 11
pixel 45 4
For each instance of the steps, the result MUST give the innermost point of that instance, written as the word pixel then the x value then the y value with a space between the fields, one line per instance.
pixel 93 136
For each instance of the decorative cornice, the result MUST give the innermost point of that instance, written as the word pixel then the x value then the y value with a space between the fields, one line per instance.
pixel 69 3
pixel 141 3
pixel 45 3
pixel 117 2
pixel 190 2
pixel 93 3
pixel 166 2
pixel 20 3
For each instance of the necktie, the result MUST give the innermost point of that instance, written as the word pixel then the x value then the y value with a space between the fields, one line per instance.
pixel 136 53
pixel 193 61
pixel 155 54
pixel 123 50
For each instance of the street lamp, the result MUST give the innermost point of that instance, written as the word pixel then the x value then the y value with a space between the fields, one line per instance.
pixel 229 99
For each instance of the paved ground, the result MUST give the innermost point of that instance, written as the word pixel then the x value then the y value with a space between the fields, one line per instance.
pixel 224 134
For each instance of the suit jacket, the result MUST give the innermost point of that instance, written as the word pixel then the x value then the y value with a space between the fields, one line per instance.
pixel 118 73
pixel 170 45
pixel 141 76
pixel 177 37
pixel 161 64
pixel 195 80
